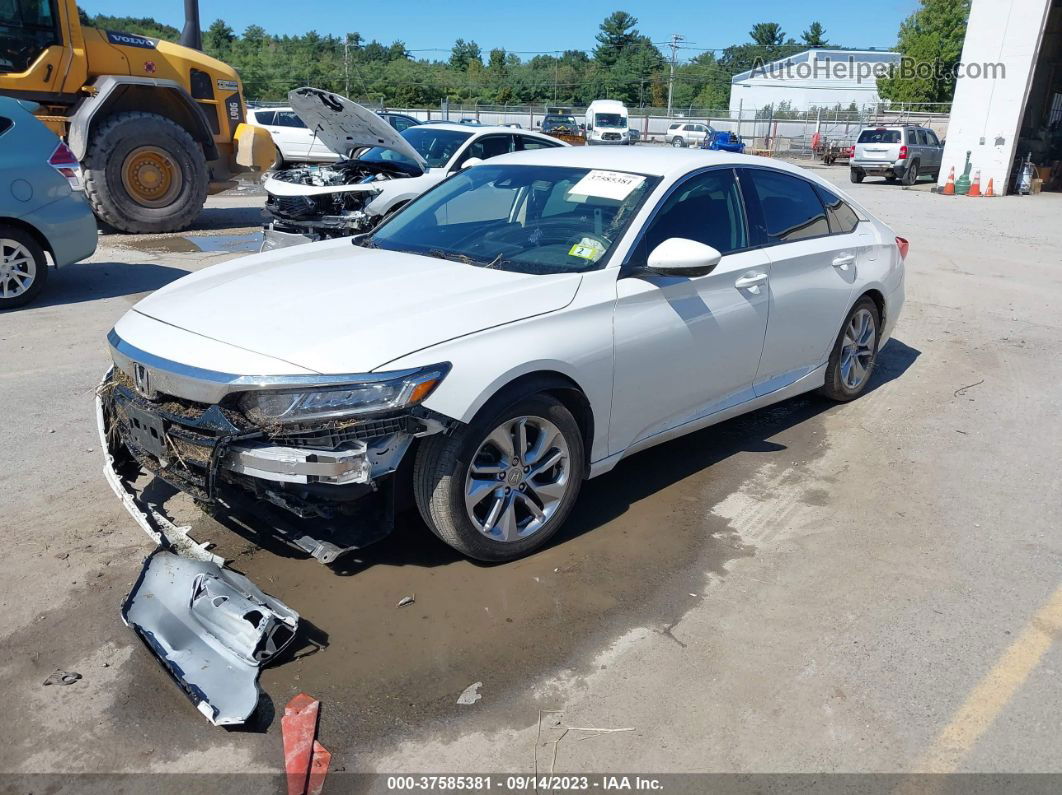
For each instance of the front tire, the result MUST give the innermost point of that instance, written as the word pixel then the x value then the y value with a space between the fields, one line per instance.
pixel 145 174
pixel 678 143
pixel 500 487
pixel 23 267
pixel 854 354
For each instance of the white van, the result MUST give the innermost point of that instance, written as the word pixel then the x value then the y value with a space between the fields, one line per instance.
pixel 607 123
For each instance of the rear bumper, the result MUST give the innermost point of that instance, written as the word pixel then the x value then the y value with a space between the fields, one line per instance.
pixel 880 167
pixel 69 227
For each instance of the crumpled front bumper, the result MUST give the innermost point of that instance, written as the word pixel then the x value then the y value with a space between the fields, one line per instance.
pixel 208 625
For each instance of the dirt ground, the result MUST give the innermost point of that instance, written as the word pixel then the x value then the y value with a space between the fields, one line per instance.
pixel 862 588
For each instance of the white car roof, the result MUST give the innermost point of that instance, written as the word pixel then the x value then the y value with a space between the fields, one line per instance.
pixel 476 129
pixel 657 161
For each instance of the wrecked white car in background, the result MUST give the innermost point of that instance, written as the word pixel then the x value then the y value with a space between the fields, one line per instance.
pixel 384 169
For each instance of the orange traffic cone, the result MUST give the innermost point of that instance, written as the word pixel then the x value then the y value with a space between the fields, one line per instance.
pixel 949 186
pixel 989 193
pixel 975 188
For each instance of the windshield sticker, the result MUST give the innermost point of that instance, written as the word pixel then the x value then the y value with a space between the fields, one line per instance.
pixel 607 185
pixel 587 248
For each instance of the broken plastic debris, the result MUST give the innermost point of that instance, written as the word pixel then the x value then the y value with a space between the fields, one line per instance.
pixel 62 678
pixel 407 600
pixel 471 694
pixel 212 629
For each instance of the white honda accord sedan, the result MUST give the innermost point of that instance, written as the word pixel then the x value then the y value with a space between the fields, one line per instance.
pixel 521 327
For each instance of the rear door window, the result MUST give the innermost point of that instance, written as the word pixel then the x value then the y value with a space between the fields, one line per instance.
pixel 842 218
pixel 879 136
pixel 527 143
pixel 790 206
pixel 5 125
pixel 287 118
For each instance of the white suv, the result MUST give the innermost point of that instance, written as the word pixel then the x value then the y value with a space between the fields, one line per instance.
pixel 682 134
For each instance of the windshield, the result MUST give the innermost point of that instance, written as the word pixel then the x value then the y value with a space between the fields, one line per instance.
pixel 435 145
pixel 528 219
pixel 879 137
pixel 609 120
pixel 558 121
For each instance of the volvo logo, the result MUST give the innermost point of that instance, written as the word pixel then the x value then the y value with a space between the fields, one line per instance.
pixel 142 381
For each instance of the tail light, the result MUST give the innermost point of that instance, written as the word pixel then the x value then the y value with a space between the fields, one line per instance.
pixel 903 152
pixel 63 161
pixel 851 152
pixel 902 245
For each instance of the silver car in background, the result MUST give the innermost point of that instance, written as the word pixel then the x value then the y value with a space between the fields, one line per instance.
pixel 899 152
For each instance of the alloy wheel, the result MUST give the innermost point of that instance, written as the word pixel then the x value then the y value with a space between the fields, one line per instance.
pixel 518 478
pixel 857 353
pixel 18 269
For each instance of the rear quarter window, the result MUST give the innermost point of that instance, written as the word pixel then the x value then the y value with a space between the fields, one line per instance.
pixel 842 218
pixel 879 137
pixel 5 125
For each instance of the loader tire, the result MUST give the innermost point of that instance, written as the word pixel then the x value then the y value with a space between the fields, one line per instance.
pixel 145 174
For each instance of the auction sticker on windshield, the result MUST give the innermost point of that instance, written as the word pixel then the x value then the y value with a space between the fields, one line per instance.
pixel 587 248
pixel 607 185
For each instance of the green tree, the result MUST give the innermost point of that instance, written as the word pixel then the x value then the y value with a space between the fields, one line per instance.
pixel 618 32
pixel 464 53
pixel 218 39
pixel 930 42
pixel 767 34
pixel 815 35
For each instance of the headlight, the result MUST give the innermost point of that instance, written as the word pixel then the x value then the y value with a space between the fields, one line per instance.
pixel 377 392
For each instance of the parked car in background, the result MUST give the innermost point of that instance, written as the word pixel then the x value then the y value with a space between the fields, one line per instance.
pixel 525 325
pixel 723 141
pixel 43 211
pixel 295 142
pixel 352 196
pixel 606 123
pixel 688 133
pixel 633 135
pixel 897 152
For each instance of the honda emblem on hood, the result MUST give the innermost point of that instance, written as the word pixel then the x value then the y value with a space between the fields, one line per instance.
pixel 142 382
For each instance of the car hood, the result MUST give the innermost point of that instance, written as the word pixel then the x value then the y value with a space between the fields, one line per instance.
pixel 336 308
pixel 343 125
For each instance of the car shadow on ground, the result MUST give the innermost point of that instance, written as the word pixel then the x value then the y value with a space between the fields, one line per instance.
pixel 602 500
pixel 93 281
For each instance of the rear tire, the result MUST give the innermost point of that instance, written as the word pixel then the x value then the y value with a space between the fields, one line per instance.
pixel 856 175
pixel 145 174
pixel 23 267
pixel 910 176
pixel 854 353
pixel 278 160
pixel 444 485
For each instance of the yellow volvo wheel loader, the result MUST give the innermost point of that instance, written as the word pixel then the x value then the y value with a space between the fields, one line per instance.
pixel 157 126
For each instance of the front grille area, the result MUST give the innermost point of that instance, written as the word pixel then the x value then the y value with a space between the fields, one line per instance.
pixel 610 137
pixel 296 207
pixel 330 438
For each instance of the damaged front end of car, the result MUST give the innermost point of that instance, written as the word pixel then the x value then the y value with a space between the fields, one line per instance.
pixel 311 203
pixel 315 446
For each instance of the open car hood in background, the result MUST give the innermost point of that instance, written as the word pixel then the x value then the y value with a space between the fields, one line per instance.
pixel 343 125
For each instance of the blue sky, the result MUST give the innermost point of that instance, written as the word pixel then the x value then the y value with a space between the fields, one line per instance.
pixel 553 25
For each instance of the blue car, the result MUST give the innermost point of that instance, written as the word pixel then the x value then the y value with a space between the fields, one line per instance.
pixel 720 140
pixel 43 212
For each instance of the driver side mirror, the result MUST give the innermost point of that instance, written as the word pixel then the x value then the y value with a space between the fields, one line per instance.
pixel 472 161
pixel 678 256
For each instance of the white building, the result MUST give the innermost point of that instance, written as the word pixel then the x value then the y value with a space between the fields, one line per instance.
pixel 815 78
pixel 1008 97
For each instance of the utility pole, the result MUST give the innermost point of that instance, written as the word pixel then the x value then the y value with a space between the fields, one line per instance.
pixel 676 39
pixel 346 66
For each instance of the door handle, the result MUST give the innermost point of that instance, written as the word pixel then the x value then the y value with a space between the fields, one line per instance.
pixel 842 262
pixel 751 282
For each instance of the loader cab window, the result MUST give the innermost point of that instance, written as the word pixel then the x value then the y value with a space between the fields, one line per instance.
pixel 27 29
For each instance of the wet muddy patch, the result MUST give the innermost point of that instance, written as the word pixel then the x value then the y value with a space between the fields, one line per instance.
pixel 406 625
pixel 245 243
